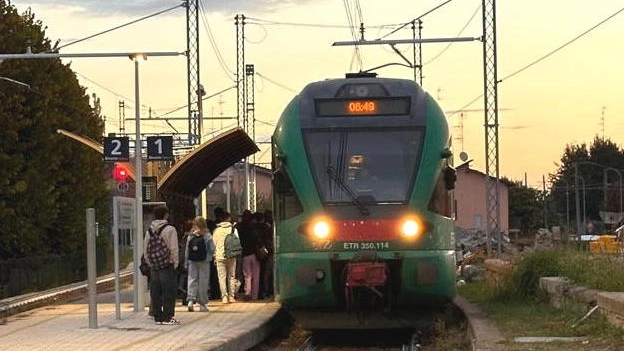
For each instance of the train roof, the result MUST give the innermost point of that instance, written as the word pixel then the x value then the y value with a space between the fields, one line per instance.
pixel 329 88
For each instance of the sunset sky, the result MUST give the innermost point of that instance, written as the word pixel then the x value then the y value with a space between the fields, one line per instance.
pixel 569 97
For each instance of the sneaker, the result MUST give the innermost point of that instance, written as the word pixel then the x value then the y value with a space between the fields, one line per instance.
pixel 225 299
pixel 203 308
pixel 170 321
pixel 190 306
pixel 231 299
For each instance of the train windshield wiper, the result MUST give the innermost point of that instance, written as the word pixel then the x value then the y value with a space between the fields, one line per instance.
pixel 361 207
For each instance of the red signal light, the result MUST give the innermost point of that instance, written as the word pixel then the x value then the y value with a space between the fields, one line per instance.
pixel 120 173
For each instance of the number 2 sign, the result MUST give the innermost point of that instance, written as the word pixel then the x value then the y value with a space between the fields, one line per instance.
pixel 116 149
pixel 159 148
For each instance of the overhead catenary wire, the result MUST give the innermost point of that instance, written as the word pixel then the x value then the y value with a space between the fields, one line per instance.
pixel 543 57
pixel 563 45
pixel 264 22
pixel 458 35
pixel 414 20
pixel 118 27
pixel 274 82
pixel 203 98
pixel 213 43
pixel 352 20
pixel 56 49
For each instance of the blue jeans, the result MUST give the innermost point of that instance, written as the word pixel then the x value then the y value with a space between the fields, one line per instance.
pixel 163 288
pixel 198 281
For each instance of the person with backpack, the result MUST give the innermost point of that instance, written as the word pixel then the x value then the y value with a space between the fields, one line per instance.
pixel 225 257
pixel 183 235
pixel 198 252
pixel 160 247
pixel 250 237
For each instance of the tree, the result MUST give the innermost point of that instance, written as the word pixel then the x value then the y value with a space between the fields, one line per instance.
pixel 47 181
pixel 592 164
pixel 525 207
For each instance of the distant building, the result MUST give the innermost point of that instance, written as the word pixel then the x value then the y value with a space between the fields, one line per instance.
pixel 470 193
pixel 218 192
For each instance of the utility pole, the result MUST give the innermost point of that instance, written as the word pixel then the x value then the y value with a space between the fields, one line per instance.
pixel 490 98
pixel 545 207
pixel 192 65
pixel 578 202
pixel 602 121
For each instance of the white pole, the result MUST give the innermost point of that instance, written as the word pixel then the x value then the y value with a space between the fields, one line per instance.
pixel 116 259
pixel 227 191
pixel 139 285
pixel 91 268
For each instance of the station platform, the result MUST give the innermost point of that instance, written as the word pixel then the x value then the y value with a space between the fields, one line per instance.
pixel 65 327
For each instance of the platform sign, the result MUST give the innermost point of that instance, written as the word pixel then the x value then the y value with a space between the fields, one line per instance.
pixel 160 148
pixel 124 212
pixel 116 149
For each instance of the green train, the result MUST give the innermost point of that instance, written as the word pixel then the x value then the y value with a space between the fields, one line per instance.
pixel 363 204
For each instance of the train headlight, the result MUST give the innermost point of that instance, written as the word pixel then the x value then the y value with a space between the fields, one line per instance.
pixel 320 229
pixel 320 275
pixel 411 228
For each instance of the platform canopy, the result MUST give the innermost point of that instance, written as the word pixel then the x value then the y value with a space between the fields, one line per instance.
pixel 191 174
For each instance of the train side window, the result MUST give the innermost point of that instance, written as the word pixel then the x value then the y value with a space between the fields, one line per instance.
pixel 287 203
pixel 442 198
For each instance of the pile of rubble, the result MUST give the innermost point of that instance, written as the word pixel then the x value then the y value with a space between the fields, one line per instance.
pixel 471 249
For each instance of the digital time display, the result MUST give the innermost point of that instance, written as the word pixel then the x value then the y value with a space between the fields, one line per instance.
pixel 362 107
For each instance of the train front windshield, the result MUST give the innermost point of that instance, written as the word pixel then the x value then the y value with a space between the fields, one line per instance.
pixel 364 166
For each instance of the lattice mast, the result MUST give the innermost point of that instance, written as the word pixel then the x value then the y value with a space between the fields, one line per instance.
pixel 241 98
pixel 417 52
pixel 490 88
pixel 251 131
pixel 194 89
pixel 122 117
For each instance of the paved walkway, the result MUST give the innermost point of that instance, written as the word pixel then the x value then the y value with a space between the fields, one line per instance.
pixel 225 327
pixel 237 326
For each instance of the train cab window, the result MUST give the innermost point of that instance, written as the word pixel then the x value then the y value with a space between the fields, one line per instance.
pixel 363 166
pixel 287 204
pixel 442 198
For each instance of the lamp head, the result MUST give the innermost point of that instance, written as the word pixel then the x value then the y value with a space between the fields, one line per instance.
pixel 138 56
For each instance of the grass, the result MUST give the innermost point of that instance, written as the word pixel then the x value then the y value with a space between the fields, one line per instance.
pixel 518 308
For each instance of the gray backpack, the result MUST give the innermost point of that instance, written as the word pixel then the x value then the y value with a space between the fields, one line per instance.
pixel 233 246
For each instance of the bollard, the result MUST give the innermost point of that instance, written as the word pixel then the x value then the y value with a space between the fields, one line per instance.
pixel 91 268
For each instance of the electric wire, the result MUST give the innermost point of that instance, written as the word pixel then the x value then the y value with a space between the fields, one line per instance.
pixel 203 98
pixel 103 87
pixel 228 72
pixel 353 29
pixel 274 82
pixel 295 24
pixel 117 27
pixel 563 45
pixel 56 49
pixel 533 63
pixel 448 45
pixel 414 20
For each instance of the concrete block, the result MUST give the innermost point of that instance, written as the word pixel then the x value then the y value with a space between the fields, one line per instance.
pixel 556 288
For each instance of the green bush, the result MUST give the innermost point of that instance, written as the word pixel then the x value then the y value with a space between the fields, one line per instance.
pixel 596 271
pixel 524 280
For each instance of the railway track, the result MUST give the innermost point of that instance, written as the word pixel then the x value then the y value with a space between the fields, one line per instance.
pixel 21 303
pixel 447 334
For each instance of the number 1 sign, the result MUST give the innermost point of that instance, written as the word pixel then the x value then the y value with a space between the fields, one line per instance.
pixel 159 148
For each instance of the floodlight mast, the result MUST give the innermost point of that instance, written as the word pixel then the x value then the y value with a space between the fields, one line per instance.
pixel 139 285
pixel 86 55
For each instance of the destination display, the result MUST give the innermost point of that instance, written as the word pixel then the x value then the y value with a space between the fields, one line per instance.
pixel 362 107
